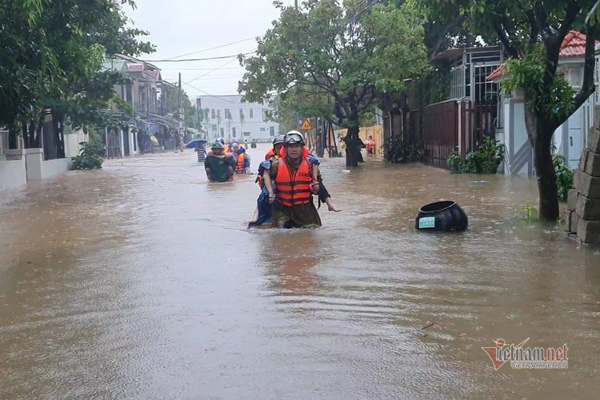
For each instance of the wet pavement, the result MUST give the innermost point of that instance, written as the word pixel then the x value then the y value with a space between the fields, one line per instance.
pixel 141 281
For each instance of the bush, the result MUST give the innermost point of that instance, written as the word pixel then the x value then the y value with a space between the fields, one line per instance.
pixel 89 157
pixel 564 177
pixel 484 160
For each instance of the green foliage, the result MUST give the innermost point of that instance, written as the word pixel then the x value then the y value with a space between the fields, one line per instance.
pixel 52 56
pixel 89 157
pixel 405 151
pixel 564 177
pixel 528 74
pixel 484 160
pixel 531 33
pixel 337 52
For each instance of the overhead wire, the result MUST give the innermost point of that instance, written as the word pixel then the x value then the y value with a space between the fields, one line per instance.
pixel 202 59
pixel 214 47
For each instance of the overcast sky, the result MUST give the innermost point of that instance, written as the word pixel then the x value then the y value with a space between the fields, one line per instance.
pixel 179 27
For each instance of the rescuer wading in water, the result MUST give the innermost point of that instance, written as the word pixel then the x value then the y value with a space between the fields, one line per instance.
pixel 295 183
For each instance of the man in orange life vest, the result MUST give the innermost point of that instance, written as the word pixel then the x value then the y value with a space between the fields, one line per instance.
pixel 274 153
pixel 242 162
pixel 295 184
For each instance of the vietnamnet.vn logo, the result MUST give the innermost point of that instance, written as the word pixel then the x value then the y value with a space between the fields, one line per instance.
pixel 521 357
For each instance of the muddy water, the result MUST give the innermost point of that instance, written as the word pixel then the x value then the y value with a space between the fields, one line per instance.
pixel 140 281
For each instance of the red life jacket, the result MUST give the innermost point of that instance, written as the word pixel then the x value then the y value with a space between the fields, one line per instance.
pixel 240 167
pixel 269 156
pixel 293 189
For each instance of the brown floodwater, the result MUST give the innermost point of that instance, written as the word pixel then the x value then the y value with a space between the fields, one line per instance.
pixel 141 281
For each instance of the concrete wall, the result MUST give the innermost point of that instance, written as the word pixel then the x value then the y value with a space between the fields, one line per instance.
pixel 54 168
pixel 38 169
pixel 569 139
pixel 13 174
pixel 72 141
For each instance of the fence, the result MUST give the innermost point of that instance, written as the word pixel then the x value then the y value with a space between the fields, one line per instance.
pixel 450 126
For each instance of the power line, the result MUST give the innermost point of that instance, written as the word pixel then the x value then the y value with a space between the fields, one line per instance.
pixel 210 94
pixel 209 72
pixel 199 69
pixel 215 47
pixel 201 59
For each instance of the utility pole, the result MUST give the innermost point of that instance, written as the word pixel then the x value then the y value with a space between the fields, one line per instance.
pixel 296 4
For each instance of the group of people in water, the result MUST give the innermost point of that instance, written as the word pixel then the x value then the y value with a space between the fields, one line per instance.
pixel 225 160
pixel 288 179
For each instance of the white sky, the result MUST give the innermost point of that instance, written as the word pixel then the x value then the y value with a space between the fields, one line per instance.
pixel 178 27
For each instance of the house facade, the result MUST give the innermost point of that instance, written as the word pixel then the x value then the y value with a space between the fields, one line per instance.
pixel 459 122
pixel 232 119
pixel 154 124
pixel 570 138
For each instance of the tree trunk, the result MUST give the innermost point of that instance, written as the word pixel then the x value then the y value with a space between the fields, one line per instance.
pixel 540 136
pixel 546 176
pixel 58 121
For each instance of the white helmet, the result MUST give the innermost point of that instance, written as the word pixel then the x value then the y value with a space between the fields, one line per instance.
pixel 294 137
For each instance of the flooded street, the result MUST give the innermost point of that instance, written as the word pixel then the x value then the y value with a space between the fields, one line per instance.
pixel 141 281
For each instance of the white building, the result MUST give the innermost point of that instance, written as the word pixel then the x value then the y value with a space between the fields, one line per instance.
pixel 229 118
pixel 570 138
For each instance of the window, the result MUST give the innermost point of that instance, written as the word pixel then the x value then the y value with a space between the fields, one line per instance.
pixel 241 114
pixel 457 83
pixel 251 113
pixel 272 131
pixel 227 113
pixel 214 128
pixel 222 132
pixel 218 114
pixel 264 115
pixel 246 133
pixel 263 130
pixel 485 92
pixel 233 133
pixel 128 94
pixel 212 113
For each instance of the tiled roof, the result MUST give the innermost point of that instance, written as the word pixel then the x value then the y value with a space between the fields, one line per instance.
pixel 497 73
pixel 573 45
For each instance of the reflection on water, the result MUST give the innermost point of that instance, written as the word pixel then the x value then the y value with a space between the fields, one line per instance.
pixel 141 281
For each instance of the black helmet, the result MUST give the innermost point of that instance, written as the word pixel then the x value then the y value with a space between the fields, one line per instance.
pixel 294 137
pixel 279 139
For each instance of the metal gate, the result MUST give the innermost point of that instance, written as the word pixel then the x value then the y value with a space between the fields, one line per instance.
pixel 440 132
pixel 454 126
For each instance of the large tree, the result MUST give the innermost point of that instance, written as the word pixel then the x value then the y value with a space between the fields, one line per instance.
pixel 52 53
pixel 531 32
pixel 343 50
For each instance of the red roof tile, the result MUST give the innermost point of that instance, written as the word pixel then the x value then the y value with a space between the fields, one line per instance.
pixel 573 45
pixel 497 73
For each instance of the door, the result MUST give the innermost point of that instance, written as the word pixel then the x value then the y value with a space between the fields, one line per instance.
pixel 575 137
pixel 126 151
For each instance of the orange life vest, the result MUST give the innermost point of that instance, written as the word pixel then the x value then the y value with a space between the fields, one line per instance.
pixel 293 189
pixel 240 167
